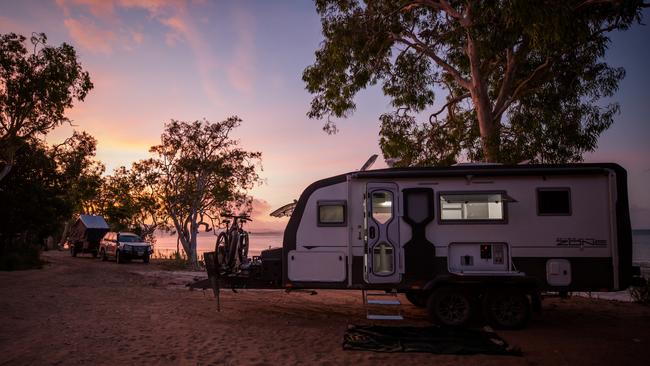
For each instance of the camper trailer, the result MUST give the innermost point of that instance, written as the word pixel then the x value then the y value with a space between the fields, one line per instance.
pixel 86 234
pixel 462 240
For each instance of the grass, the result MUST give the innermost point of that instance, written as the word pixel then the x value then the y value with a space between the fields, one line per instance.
pixel 176 262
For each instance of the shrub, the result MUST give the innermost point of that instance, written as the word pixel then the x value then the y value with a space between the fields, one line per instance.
pixel 641 294
pixel 20 258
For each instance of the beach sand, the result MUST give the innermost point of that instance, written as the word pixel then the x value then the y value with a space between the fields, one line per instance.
pixel 84 311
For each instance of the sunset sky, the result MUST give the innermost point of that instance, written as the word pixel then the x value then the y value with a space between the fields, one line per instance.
pixel 156 60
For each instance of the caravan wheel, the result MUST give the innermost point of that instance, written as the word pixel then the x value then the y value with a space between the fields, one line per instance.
pixel 506 309
pixel 450 306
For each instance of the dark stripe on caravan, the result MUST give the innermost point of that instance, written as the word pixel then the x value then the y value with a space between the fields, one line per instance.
pixel 290 232
pixel 587 274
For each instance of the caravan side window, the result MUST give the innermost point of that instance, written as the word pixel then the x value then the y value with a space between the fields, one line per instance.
pixel 473 207
pixel 553 201
pixel 332 213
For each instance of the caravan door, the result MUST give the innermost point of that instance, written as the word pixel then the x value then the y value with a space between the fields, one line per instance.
pixel 382 250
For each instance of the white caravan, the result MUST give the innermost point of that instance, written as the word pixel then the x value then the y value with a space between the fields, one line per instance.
pixel 460 240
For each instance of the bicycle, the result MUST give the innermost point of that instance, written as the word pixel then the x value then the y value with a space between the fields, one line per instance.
pixel 231 247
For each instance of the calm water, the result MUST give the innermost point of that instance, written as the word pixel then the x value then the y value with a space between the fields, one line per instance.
pixel 166 244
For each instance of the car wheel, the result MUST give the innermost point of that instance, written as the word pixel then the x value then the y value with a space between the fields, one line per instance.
pixel 417 298
pixel 118 257
pixel 450 307
pixel 506 309
pixel 145 259
pixel 102 253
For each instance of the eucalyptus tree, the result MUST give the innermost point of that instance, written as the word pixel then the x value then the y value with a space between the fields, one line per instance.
pixel 520 79
pixel 201 172
pixel 36 87
pixel 129 201
pixel 80 173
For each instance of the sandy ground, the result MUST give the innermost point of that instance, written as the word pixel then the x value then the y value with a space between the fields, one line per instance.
pixel 84 311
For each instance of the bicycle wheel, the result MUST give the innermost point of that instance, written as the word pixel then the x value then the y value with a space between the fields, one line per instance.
pixel 242 251
pixel 220 251
pixel 231 251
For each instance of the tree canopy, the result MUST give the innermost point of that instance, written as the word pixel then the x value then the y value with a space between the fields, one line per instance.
pixel 128 201
pixel 199 172
pixel 521 80
pixel 36 87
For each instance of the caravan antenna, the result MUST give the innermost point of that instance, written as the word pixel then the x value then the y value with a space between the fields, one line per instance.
pixel 369 163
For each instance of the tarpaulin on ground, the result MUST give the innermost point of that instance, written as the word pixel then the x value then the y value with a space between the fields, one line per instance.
pixel 432 339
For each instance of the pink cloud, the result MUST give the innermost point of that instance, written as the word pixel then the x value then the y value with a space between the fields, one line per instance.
pixel 182 28
pixel 137 37
pixel 241 69
pixel 90 36
pixel 99 9
pixel 262 221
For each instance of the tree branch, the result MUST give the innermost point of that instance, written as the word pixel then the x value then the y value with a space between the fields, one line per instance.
pixel 506 83
pixel 520 88
pixel 450 102
pixel 422 47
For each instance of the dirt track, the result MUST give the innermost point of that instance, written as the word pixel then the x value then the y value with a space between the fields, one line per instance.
pixel 84 311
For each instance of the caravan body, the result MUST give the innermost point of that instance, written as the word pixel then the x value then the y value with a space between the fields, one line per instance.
pixel 550 227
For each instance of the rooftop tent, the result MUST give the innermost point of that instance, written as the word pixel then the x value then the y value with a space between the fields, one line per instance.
pixel 89 228
pixel 93 222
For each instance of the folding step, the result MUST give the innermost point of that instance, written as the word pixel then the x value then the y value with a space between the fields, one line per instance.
pixel 384 317
pixel 383 302
pixel 377 300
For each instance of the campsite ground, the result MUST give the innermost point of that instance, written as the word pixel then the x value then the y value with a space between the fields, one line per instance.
pixel 84 311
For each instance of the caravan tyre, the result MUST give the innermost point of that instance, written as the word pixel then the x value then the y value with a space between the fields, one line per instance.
pixel 450 306
pixel 506 309
pixel 417 298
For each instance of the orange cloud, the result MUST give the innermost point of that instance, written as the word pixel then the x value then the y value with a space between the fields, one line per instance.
pixel 90 36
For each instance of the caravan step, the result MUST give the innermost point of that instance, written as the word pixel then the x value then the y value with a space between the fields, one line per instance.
pixel 384 302
pixel 384 317
pixel 393 294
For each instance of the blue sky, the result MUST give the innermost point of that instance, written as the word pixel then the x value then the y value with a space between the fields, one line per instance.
pixel 153 60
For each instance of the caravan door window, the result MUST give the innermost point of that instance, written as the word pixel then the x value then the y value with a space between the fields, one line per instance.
pixel 476 207
pixel 383 259
pixel 382 206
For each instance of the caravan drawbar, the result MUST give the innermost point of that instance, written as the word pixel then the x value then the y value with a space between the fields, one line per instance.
pixel 458 240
